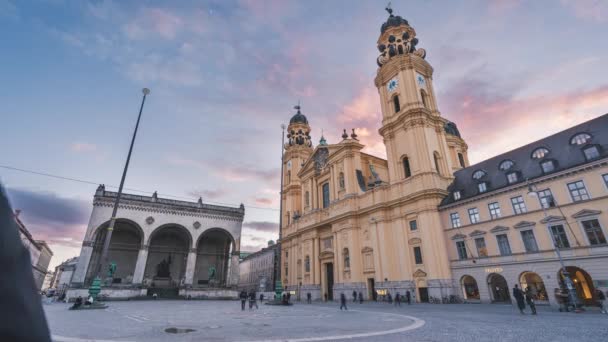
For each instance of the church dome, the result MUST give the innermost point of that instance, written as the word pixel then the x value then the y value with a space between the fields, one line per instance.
pixel 298 118
pixel 393 21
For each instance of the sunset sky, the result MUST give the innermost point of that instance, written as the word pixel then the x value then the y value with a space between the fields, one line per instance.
pixel 225 74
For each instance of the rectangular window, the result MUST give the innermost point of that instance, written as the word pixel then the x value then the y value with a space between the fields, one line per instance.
pixel 482 187
pixel 418 255
pixel 547 166
pixel 594 232
pixel 529 241
pixel 494 208
pixel 546 198
pixel 560 239
pixel 519 206
pixel 455 218
pixel 456 195
pixel 482 251
pixel 591 153
pixel 325 195
pixel 503 244
pixel 474 215
pixel 512 177
pixel 462 250
pixel 413 225
pixel 578 192
pixel 327 243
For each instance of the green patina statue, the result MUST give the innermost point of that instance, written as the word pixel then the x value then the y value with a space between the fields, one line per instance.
pixel 211 272
pixel 111 269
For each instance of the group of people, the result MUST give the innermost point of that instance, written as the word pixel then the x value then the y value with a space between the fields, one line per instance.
pixel 244 296
pixel 523 297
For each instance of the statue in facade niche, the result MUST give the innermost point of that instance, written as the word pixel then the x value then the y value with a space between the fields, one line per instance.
pixel 111 269
pixel 211 273
pixel 162 269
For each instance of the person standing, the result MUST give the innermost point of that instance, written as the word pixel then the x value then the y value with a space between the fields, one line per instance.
pixel 252 300
pixel 360 298
pixel 308 298
pixel 530 300
pixel 408 297
pixel 389 297
pixel 354 296
pixel 397 299
pixel 343 301
pixel 243 297
pixel 519 297
pixel 602 299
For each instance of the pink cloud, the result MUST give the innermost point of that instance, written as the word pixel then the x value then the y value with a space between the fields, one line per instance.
pixel 596 10
pixel 83 147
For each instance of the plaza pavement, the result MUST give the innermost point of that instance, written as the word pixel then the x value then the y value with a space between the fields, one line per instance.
pixel 224 321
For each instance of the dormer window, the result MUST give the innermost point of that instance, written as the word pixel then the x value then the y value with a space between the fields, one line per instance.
pixel 548 166
pixel 540 153
pixel 482 187
pixel 512 177
pixel 479 174
pixel 506 165
pixel 591 152
pixel 456 195
pixel 580 139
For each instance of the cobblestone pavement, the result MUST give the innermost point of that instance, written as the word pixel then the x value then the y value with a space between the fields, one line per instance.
pixel 224 321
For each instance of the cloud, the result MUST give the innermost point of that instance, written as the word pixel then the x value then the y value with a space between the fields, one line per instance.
pixel 232 173
pixel 263 201
pixel 262 226
pixel 151 22
pixel 8 10
pixel 83 147
pixel 595 10
pixel 207 194
pixel 48 217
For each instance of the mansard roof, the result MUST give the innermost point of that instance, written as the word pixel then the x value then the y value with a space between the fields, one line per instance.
pixel 562 152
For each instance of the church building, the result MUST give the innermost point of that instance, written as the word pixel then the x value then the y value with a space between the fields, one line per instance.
pixel 354 222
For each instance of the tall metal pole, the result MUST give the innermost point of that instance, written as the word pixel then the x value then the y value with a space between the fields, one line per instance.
pixel 278 282
pixel 106 244
pixel 565 273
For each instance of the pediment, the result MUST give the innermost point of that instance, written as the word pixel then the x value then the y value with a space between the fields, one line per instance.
pixel 477 233
pixel 366 250
pixel 458 236
pixel 419 274
pixel 320 155
pixel 415 241
pixel 499 229
pixel 552 218
pixel 586 212
pixel 524 224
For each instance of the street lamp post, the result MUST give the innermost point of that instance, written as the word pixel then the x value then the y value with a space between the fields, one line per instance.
pixel 96 285
pixel 569 285
pixel 278 283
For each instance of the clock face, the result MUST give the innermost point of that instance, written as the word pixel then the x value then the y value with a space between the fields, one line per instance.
pixel 289 164
pixel 420 80
pixel 392 85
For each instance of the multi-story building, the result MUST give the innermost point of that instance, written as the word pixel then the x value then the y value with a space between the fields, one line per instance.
pixel 356 222
pixel 258 270
pixel 40 252
pixel 64 273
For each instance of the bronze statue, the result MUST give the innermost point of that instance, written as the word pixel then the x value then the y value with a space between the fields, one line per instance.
pixel 211 272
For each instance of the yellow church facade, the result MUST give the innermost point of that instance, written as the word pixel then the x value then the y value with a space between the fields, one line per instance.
pixel 355 222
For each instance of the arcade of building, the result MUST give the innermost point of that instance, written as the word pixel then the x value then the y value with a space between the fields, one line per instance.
pixel 424 220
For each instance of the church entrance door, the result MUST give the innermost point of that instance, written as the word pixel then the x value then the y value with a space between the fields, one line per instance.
pixel 329 274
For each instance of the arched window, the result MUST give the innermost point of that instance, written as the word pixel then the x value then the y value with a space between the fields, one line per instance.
pixel 461 159
pixel 506 165
pixel 580 139
pixel 479 174
pixel 341 180
pixel 307 264
pixel 425 100
pixel 346 258
pixel 406 167
pixel 307 198
pixel 436 159
pixel 396 103
pixel 540 153
pixel 288 177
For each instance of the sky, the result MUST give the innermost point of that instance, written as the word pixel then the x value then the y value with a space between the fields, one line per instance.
pixel 225 74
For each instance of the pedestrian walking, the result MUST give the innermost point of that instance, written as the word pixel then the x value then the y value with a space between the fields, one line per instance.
pixel 602 299
pixel 408 297
pixel 519 297
pixel 343 302
pixel 252 300
pixel 561 297
pixel 360 298
pixel 397 299
pixel 530 300
pixel 261 298
pixel 243 297
pixel 325 295
pixel 354 296
pixel 389 298
pixel 308 298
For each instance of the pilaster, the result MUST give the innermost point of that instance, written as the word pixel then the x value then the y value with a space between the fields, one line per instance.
pixel 190 267
pixel 140 265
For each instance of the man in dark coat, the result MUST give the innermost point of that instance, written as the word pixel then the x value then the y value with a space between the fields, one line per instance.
pixel 21 315
pixel 530 300
pixel 519 297
pixel 243 297
pixel 308 298
pixel 397 299
pixel 354 296
pixel 408 297
pixel 360 298
pixel 343 301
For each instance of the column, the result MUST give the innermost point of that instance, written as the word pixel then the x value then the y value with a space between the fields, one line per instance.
pixel 140 266
pixel 190 267
pixel 83 264
pixel 233 275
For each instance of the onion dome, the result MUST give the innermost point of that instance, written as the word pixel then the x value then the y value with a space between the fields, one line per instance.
pixel 299 117
pixel 322 141
pixel 392 21
pixel 397 38
pixel 450 128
